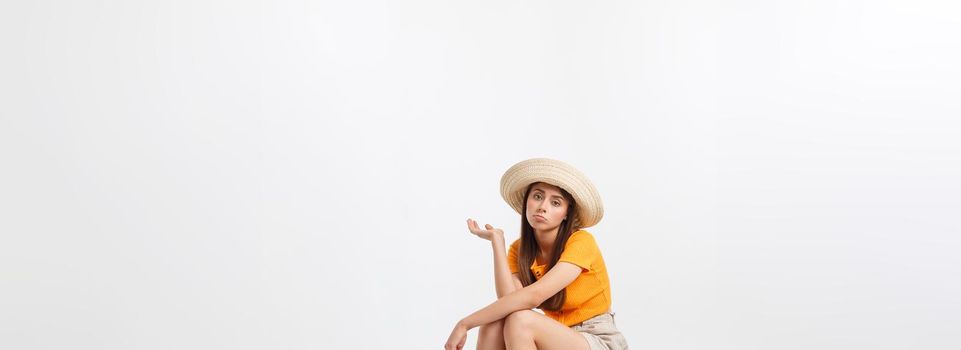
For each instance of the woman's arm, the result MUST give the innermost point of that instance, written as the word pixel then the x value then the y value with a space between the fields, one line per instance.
pixel 504 281
pixel 528 297
pixel 525 298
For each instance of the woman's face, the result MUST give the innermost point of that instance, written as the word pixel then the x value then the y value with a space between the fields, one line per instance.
pixel 546 207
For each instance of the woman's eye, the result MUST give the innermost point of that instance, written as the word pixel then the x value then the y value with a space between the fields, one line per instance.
pixel 537 196
pixel 556 203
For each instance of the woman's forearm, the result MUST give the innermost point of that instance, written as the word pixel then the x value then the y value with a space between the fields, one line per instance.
pixel 503 282
pixel 521 299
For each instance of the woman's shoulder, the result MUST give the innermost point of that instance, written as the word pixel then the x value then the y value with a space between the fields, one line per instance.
pixel 581 237
pixel 582 234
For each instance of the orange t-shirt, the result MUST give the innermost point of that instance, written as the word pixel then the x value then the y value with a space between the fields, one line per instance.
pixel 590 293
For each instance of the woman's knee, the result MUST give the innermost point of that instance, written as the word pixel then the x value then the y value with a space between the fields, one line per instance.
pixel 495 328
pixel 518 321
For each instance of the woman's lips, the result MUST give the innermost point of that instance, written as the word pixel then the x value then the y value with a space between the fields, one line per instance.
pixel 539 218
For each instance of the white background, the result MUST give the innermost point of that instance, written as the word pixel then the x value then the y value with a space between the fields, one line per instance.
pixel 297 175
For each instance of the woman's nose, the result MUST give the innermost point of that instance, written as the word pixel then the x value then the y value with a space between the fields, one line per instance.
pixel 542 206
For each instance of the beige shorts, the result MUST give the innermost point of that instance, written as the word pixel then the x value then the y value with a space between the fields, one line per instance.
pixel 601 332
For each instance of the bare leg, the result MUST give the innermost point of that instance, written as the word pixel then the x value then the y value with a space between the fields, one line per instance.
pixel 491 336
pixel 529 330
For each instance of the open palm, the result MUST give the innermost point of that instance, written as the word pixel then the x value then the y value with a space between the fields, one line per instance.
pixel 489 233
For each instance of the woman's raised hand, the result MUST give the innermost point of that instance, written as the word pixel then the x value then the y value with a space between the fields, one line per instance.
pixel 489 233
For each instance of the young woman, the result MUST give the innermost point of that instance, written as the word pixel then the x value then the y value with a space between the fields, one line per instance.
pixel 554 266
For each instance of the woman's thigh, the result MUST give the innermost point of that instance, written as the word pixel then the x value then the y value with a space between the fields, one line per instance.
pixel 547 333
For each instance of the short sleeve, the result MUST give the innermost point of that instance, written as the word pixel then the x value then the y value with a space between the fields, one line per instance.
pixel 512 256
pixel 581 250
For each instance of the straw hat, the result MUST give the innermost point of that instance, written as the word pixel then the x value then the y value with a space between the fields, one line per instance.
pixel 516 179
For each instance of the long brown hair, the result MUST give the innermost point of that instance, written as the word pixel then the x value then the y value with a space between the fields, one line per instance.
pixel 529 248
